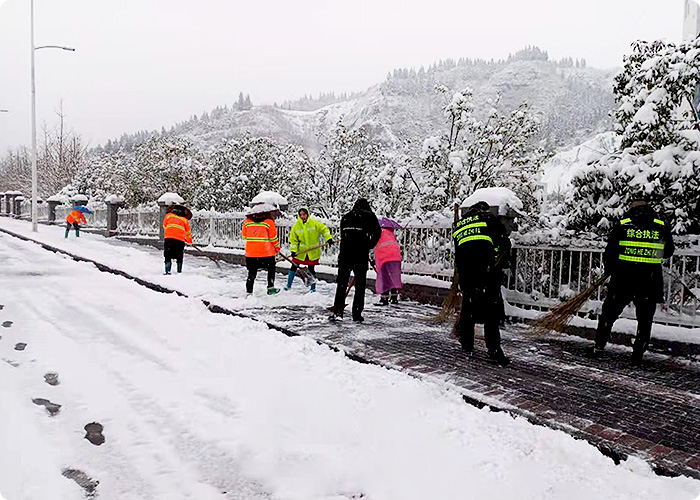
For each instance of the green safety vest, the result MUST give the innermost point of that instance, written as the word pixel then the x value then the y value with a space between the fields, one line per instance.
pixel 645 246
pixel 471 228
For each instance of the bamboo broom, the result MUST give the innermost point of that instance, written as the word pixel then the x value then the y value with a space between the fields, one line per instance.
pixel 557 318
pixel 451 304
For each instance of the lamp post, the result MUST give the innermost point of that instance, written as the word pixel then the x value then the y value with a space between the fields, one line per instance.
pixel 35 188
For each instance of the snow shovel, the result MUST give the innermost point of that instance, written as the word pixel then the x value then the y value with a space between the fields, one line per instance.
pixel 303 272
pixel 207 256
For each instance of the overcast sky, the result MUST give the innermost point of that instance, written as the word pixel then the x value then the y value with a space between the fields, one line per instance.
pixel 143 64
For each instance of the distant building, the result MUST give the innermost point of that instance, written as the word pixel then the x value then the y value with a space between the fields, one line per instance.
pixel 691 20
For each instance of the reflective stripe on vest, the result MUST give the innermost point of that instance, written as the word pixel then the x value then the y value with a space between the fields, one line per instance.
pixel 468 226
pixel 475 237
pixel 642 260
pixel 643 246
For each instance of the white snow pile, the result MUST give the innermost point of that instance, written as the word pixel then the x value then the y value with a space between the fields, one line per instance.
pixel 115 198
pixel 500 197
pixel 170 199
pixel 80 197
pixel 271 197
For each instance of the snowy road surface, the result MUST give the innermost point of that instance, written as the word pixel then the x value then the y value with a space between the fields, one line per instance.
pixel 197 405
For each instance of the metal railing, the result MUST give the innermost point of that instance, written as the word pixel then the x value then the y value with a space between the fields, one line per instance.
pixel 538 277
pixel 542 277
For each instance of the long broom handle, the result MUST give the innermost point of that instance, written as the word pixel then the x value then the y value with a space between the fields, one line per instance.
pixel 207 256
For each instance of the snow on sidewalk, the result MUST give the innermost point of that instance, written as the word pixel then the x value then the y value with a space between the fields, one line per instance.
pixel 195 404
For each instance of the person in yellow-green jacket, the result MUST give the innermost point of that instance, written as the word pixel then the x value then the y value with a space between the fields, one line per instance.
pixel 306 233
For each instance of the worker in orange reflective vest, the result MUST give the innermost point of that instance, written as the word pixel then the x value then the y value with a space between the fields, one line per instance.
pixel 261 245
pixel 177 233
pixel 74 219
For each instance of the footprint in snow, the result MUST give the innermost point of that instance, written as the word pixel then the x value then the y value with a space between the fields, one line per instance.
pixel 20 346
pixel 7 324
pixel 51 378
pixel 94 433
pixel 84 481
pixel 2 307
pixel 52 408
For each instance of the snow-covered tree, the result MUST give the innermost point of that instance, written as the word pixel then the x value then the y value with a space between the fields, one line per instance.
pixel 346 169
pixel 658 159
pixel 500 151
pixel 164 164
pixel 240 168
pixel 105 173
pixel 396 190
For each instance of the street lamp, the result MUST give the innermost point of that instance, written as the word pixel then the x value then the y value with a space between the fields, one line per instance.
pixel 35 189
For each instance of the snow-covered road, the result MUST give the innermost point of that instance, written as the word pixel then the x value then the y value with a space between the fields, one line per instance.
pixel 198 405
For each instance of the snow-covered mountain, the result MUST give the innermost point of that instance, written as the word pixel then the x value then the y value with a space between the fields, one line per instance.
pixel 571 100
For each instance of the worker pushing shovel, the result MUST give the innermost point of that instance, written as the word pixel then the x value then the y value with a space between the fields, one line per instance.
pixel 304 239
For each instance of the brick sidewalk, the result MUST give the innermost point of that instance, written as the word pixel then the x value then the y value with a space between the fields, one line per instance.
pixel 652 413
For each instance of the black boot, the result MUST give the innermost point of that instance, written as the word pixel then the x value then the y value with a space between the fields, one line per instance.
pixel 383 301
pixel 499 357
pixel 595 352
pixel 637 358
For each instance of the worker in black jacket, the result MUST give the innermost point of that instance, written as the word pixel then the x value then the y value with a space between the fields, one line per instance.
pixel 633 258
pixel 359 233
pixel 482 248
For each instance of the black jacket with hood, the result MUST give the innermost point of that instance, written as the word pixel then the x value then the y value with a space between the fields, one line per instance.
pixel 359 233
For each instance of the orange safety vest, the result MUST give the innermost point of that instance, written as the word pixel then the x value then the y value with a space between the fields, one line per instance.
pixel 260 238
pixel 76 216
pixel 177 228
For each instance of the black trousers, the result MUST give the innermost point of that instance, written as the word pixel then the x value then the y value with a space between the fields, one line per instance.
pixel 173 249
pixel 312 269
pixel 616 301
pixel 255 263
pixel 481 303
pixel 359 269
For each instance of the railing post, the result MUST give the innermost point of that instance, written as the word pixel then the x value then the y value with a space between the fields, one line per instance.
pixel 53 202
pixel 211 227
pixel 17 205
pixel 113 203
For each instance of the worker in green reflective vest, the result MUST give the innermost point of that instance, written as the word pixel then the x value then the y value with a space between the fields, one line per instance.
pixel 632 258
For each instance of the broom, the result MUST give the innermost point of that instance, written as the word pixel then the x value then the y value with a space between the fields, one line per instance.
pixel 450 305
pixel 557 318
